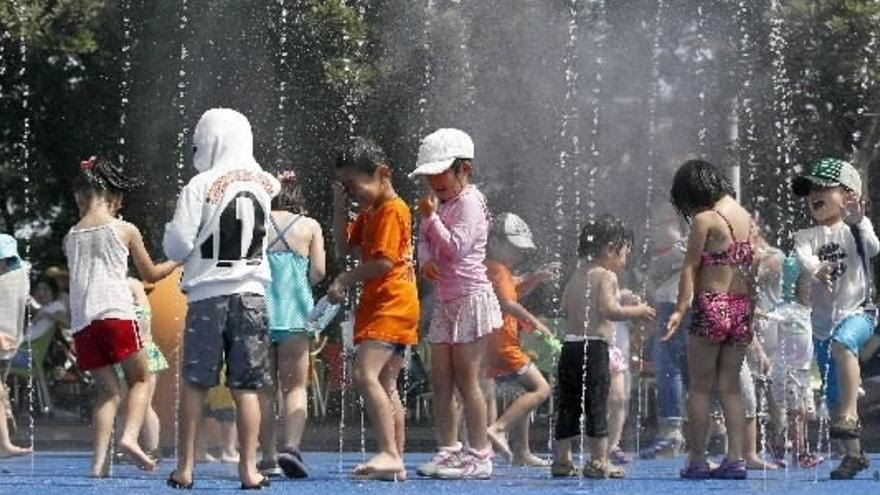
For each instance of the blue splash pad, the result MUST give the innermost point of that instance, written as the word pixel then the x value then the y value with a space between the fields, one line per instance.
pixel 63 473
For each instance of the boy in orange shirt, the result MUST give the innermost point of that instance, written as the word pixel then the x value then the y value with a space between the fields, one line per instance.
pixel 509 239
pixel 387 316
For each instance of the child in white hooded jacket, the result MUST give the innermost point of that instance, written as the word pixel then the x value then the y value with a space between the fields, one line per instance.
pixel 218 233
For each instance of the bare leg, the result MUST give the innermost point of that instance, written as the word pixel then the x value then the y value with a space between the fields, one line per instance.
pixel 729 366
pixel 293 374
pixel 848 382
pixel 562 451
pixel 702 357
pixel 536 392
pixel 192 399
pixel 7 449
pixel 103 416
pixel 598 449
pixel 247 419
pixel 371 359
pixel 467 363
pixel 137 373
pixel 268 406
pixel 616 409
pixel 442 384
pixel 388 379
pixel 750 446
pixel 150 431
pixel 228 433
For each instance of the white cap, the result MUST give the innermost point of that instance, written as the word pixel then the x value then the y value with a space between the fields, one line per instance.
pixel 515 230
pixel 439 149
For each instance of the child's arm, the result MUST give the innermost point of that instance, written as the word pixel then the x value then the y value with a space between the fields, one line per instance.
pixel 538 277
pixel 367 270
pixel 453 240
pixel 696 244
pixel 869 237
pixel 809 261
pixel 518 311
pixel 181 232
pixel 317 256
pixel 341 239
pixel 149 271
pixel 609 302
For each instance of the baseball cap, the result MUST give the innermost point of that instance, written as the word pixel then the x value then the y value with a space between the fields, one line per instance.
pixel 828 172
pixel 514 229
pixel 9 249
pixel 439 149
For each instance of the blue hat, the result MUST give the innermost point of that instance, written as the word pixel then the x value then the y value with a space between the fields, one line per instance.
pixel 9 249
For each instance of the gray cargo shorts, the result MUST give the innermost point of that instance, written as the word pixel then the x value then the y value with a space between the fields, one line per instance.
pixel 234 327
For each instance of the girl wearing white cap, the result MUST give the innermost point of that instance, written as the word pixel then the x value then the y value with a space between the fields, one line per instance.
pixel 452 248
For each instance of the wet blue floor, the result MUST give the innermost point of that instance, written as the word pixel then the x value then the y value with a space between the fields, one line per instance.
pixel 64 474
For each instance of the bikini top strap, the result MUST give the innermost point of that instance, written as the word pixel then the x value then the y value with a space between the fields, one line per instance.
pixel 729 227
pixel 280 234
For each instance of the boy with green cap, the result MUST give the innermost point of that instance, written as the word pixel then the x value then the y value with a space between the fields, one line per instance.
pixel 836 254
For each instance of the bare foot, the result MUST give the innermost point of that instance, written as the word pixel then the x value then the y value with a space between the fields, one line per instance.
pixel 229 457
pixel 250 476
pixel 757 464
pixel 381 463
pixel 499 440
pixel 13 451
pixel 101 471
pixel 138 456
pixel 528 460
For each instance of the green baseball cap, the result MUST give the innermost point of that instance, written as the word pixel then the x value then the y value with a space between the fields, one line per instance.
pixel 828 172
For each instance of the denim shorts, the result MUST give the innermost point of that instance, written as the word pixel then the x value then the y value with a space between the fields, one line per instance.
pixel 854 331
pixel 396 349
pixel 231 329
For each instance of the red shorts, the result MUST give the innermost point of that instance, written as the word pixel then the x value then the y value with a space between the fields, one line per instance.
pixel 106 342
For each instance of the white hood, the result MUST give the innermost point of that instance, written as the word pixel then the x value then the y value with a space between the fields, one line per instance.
pixel 218 229
pixel 223 138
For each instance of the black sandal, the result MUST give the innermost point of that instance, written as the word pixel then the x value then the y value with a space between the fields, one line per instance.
pixel 264 483
pixel 173 483
pixel 292 464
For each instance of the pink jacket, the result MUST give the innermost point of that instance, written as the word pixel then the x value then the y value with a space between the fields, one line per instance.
pixel 455 237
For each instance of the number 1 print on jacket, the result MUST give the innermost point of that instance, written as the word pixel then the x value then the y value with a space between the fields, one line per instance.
pixel 219 227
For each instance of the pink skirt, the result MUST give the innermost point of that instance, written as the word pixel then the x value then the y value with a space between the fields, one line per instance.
pixel 616 362
pixel 465 320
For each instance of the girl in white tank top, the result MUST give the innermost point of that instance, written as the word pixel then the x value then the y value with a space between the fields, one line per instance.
pixel 103 320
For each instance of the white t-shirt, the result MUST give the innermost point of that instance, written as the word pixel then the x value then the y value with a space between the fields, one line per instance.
pixel 44 320
pixel 820 245
pixel 14 289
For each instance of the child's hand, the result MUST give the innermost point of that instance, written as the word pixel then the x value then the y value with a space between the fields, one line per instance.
pixel 431 271
pixel 337 290
pixel 672 325
pixel 548 272
pixel 542 331
pixel 645 312
pixel 629 298
pixel 855 208
pixel 824 275
pixel 428 204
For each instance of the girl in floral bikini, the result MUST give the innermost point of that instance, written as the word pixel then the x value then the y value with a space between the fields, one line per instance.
pixel 717 280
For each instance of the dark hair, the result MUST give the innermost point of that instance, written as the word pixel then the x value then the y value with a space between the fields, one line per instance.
pixel 99 175
pixel 361 154
pixel 291 197
pixel 698 184
pixel 51 283
pixel 598 233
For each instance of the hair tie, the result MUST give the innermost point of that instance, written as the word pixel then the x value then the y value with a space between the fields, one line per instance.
pixel 89 163
pixel 287 175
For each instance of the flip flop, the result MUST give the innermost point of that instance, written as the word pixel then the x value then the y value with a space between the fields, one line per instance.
pixel 292 465
pixel 264 483
pixel 369 474
pixel 173 483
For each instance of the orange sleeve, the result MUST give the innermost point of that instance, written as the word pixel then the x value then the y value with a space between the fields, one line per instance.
pixel 502 281
pixel 387 234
